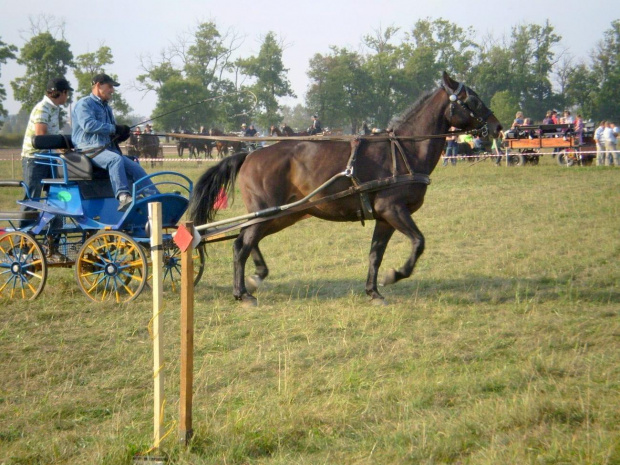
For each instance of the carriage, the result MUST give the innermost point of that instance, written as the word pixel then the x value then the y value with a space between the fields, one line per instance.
pixel 145 146
pixel 76 224
pixel 525 143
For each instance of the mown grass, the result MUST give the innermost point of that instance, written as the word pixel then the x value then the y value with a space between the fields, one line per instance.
pixel 503 347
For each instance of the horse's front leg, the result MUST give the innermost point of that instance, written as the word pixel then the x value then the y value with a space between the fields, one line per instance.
pixel 400 218
pixel 380 238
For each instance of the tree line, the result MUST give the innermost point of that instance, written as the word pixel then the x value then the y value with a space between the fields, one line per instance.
pixel 527 71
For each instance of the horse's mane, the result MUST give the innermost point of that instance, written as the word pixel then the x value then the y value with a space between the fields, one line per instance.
pixel 404 116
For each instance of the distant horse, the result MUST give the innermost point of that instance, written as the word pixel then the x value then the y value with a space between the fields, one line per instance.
pixel 222 145
pixel 183 143
pixel 289 170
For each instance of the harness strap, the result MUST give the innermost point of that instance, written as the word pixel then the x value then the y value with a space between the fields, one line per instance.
pixel 219 234
pixel 366 208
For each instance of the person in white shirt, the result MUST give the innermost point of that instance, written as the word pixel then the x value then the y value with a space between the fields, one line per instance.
pixel 600 144
pixel 609 138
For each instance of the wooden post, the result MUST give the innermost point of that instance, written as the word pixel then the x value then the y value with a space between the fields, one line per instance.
pixel 187 340
pixel 157 252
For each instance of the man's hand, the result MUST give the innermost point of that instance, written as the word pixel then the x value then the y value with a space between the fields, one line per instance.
pixel 122 132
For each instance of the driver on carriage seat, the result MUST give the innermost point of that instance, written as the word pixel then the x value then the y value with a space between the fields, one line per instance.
pixel 97 135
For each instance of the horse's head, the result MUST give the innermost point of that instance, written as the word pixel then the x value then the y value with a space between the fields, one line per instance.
pixel 467 111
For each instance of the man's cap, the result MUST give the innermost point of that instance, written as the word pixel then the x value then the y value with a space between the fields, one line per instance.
pixel 104 79
pixel 58 84
pixel 315 116
pixel 243 125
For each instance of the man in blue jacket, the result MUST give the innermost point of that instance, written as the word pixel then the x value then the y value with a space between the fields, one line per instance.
pixel 95 132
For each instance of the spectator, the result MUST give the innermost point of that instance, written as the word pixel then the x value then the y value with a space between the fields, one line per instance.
pixel 600 144
pixel 548 119
pixel 44 119
pixel 452 148
pixel 579 129
pixel 96 133
pixel 609 138
pixel 518 120
pixel 496 147
pixel 148 129
pixel 316 126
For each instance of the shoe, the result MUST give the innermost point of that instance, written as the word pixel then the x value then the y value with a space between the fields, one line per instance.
pixel 124 200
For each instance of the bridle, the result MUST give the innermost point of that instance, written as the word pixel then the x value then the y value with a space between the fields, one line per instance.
pixel 453 96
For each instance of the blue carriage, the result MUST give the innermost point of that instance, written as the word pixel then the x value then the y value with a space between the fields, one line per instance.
pixel 76 223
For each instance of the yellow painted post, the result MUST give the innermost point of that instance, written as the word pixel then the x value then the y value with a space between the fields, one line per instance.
pixel 187 340
pixel 155 217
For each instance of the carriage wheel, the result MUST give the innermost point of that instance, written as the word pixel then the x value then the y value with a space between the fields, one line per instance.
pixel 516 160
pixel 565 159
pixel 23 269
pixel 111 267
pixel 172 265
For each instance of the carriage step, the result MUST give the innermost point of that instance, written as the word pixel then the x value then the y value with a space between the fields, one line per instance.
pixel 10 183
pixel 19 216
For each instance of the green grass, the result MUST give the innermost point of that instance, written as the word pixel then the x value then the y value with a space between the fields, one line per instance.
pixel 501 349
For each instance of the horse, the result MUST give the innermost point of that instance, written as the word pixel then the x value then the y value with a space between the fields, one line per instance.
pixel 222 146
pixel 288 171
pixel 183 143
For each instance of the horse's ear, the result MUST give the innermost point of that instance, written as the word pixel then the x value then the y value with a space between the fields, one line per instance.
pixel 447 80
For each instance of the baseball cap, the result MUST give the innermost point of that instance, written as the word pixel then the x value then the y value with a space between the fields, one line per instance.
pixel 104 79
pixel 58 84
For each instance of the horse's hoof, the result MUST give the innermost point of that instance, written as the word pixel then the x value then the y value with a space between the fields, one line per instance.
pixel 248 301
pixel 252 283
pixel 378 301
pixel 389 278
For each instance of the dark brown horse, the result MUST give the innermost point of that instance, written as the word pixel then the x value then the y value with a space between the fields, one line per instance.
pixel 289 170
pixel 222 145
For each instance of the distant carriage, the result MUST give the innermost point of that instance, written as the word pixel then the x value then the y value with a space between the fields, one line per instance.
pixel 145 146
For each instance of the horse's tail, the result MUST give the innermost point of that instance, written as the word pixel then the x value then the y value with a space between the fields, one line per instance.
pixel 207 189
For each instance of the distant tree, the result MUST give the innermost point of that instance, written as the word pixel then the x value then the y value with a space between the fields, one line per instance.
pixel 193 69
pixel 504 105
pixel 270 79
pixel 88 65
pixel 382 68
pixel 44 57
pixel 532 59
pixel 6 53
pixel 297 117
pixel 581 90
pixel 606 68
pixel 339 88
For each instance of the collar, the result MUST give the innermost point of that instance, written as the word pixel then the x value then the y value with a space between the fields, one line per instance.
pixel 49 100
pixel 98 99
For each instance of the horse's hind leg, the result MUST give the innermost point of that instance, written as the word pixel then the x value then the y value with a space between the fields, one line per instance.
pixel 246 243
pixel 253 282
pixel 400 218
pixel 380 238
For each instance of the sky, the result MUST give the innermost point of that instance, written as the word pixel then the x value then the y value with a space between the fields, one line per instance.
pixel 138 28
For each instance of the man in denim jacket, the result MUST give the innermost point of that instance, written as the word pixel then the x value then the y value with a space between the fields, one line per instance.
pixel 94 131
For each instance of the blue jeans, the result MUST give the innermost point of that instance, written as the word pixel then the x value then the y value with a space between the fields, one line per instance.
pixel 122 170
pixel 452 150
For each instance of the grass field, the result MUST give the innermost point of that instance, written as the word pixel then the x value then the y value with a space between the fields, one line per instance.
pixel 503 348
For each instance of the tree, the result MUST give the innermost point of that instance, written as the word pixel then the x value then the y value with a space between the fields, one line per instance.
pixel 581 90
pixel 606 67
pixel 90 64
pixel 194 69
pixel 382 68
pixel 503 105
pixel 339 88
pixel 532 61
pixel 6 53
pixel 271 82
pixel 45 57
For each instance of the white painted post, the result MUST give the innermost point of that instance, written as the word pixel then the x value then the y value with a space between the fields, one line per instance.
pixel 155 217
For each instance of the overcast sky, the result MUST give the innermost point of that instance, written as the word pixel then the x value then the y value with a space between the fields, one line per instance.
pixel 134 28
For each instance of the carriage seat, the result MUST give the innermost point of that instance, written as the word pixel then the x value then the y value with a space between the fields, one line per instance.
pixel 79 166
